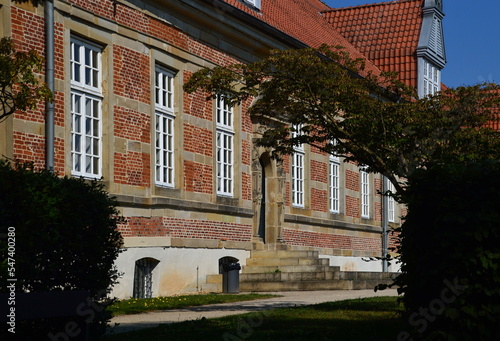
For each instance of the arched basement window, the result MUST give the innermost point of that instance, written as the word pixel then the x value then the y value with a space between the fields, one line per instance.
pixel 143 277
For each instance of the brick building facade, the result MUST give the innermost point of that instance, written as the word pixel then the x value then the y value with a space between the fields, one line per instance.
pixel 192 185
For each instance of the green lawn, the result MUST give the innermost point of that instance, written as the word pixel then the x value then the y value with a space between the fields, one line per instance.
pixel 370 319
pixel 136 306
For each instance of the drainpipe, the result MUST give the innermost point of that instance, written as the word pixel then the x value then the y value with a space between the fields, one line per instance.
pixel 49 79
pixel 385 223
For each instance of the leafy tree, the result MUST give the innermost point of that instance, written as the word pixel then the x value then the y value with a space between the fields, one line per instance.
pixel 450 253
pixel 439 151
pixel 66 239
pixel 377 121
pixel 20 87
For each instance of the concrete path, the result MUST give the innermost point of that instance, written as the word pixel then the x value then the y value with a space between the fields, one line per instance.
pixel 289 299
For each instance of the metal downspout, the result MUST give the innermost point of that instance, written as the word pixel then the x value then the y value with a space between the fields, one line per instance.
pixel 49 79
pixel 385 224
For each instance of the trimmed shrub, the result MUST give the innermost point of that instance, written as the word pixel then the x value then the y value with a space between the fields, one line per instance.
pixel 66 239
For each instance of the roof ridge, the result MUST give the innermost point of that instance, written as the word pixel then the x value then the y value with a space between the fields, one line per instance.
pixel 368 5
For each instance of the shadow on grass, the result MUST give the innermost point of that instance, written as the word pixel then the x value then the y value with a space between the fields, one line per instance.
pixel 353 320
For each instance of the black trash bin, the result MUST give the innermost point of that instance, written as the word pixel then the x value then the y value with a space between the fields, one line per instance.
pixel 231 278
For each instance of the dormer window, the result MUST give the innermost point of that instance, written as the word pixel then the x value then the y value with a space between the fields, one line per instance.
pixel 431 79
pixel 253 3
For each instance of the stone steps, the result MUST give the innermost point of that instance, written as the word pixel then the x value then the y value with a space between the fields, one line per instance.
pixel 295 270
pixel 309 285
pixel 289 270
pixel 213 284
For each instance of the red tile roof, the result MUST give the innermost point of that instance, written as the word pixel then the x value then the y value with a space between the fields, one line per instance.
pixel 302 19
pixel 387 33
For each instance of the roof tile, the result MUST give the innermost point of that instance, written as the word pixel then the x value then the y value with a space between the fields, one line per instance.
pixel 387 29
pixel 303 20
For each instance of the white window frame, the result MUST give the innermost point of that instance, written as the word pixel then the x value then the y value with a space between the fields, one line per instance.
pixel 225 147
pixel 334 184
pixel 297 169
pixel 365 193
pixel 391 204
pixel 431 78
pixel 164 127
pixel 86 120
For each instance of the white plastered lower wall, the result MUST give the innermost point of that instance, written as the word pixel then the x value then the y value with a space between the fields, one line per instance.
pixel 359 264
pixel 180 270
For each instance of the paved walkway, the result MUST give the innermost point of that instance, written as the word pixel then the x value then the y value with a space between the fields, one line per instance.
pixel 289 299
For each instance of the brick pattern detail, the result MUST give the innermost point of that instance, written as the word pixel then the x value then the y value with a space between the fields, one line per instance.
pixel 103 8
pixel 28 30
pixel 246 152
pixel 332 241
pixel 133 168
pixel 378 211
pixel 318 171
pixel 352 180
pixel 184 228
pixel 143 227
pixel 352 207
pixel 198 177
pixel 246 186
pixel 30 148
pixel 131 74
pixel 198 140
pixel 393 241
pixel 203 229
pixel 132 125
pixel 319 200
pixel 196 104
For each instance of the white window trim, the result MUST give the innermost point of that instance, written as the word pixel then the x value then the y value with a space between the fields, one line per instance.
pixel 431 78
pixel 297 175
pixel 365 193
pixel 81 128
pixel 164 128
pixel 391 204
pixel 334 166
pixel 225 147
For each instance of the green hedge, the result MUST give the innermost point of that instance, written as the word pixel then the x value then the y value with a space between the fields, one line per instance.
pixel 66 238
pixel 450 253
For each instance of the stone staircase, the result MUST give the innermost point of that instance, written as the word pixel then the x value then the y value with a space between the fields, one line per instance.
pixel 294 270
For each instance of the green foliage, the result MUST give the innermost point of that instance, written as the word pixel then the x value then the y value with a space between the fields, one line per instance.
pixel 377 121
pixel 66 235
pixel 20 87
pixel 450 252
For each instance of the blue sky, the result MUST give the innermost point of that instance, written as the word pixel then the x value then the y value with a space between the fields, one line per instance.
pixel 472 38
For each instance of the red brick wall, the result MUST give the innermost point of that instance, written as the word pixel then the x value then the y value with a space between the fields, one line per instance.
pixel 132 168
pixel 131 74
pixel 132 125
pixel 319 200
pixel 184 228
pixel 198 140
pixel 333 241
pixel 352 180
pixel 131 79
pixel 203 229
pixel 198 177
pixel 352 207
pixel 318 171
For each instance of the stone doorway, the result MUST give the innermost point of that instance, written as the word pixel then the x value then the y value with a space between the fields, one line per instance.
pixel 268 198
